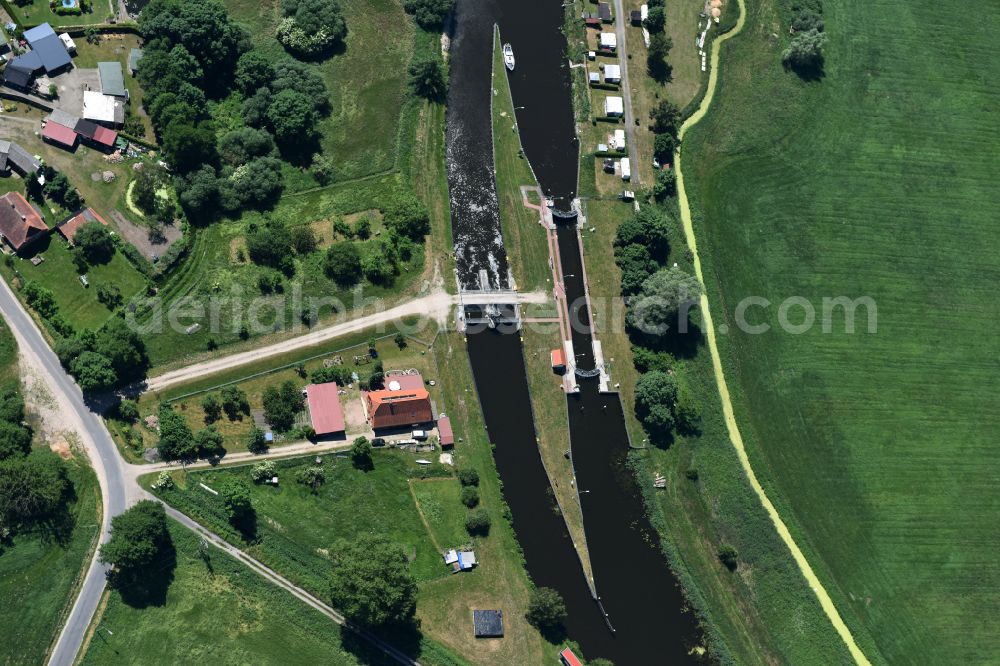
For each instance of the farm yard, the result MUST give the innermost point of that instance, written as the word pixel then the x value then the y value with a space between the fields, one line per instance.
pixel 873 180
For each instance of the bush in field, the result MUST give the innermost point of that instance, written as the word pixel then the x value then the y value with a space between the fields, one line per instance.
pixel 282 404
pixel 477 523
pixel 468 477
pixel 470 496
pixel 656 57
pixel 804 54
pixel 428 79
pixel 371 581
pixel 664 302
pixel 262 471
pixel 138 538
pixel 94 240
pixel 656 403
pixel 235 495
pixel 311 27
pixel 429 14
pixel 343 263
pixel 728 556
pixel 314 477
pixel 234 402
pixel 546 608
pixel 361 453
pixel 256 443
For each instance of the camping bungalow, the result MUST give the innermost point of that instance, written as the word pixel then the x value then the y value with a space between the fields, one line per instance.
pixel 608 41
pixel 614 106
pixel 626 169
pixel 612 74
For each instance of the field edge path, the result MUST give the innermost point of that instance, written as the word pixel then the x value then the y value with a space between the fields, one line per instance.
pixel 720 379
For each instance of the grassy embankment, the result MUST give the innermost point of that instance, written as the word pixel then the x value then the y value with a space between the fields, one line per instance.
pixel 40 569
pixel 878 449
pixel 294 526
pixel 218 610
pixel 526 240
pixel 764 612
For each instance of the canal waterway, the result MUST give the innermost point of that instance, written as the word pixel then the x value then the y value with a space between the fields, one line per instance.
pixel 642 599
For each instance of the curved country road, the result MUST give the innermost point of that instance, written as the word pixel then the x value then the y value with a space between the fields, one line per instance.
pixel 727 406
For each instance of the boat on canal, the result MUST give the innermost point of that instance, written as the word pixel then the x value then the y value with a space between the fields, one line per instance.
pixel 508 57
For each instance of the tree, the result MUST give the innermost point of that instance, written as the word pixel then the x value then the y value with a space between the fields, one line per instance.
pixel 468 477
pixel 202 26
pixel 656 403
pixel 804 54
pixel 651 228
pixel 728 556
pixel 198 191
pixel 293 118
pixel 655 20
pixel 322 168
pixel 663 302
pixel 242 145
pixel 361 453
pixel 94 240
pixel 314 477
pixel 303 239
pixel 269 244
pixel 234 402
pixel 212 407
pixel 110 295
pixel 189 145
pixel 343 263
pixel 144 190
pixel 636 265
pixel 176 439
pixel 371 581
pixel 807 19
pixel 656 57
pixel 263 471
pixel 32 488
pixel 282 404
pixel 33 189
pixel 235 495
pixel 666 184
pixel 663 147
pixel 128 410
pixel 256 443
pixel 138 537
pixel 255 184
pixel 477 523
pixel 428 79
pixel 208 442
pixel 253 72
pixel 429 14
pixel 311 27
pixel 546 608
pixel 123 347
pixel 93 372
pixel 400 340
pixel 666 118
pixel 408 216
pixel 470 496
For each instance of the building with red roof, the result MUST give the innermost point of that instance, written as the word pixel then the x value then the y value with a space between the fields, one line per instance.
pixel 324 409
pixel 60 135
pixel 398 408
pixel 71 225
pixel 445 432
pixel 96 135
pixel 568 658
pixel 558 360
pixel 20 223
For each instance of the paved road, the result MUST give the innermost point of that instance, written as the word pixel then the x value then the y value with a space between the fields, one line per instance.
pixel 633 153
pixel 101 450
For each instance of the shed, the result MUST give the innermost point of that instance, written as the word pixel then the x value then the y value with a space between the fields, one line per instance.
pixel 17 76
pixel 49 47
pixel 445 432
pixel 592 22
pixel 29 61
pixel 102 108
pixel 23 161
pixel 635 17
pixel 488 623
pixel 63 118
pixel 20 223
pixel 134 56
pixel 59 135
pixel 4 150
pixel 325 412
pixel 568 658
pixel 112 79
pixel 612 73
pixel 604 11
pixel 96 134
pixel 558 360
pixel 594 77
pixel 608 41
pixel 614 106
pixel 465 560
pixel 72 224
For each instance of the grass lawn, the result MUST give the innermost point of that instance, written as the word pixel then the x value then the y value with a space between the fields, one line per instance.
pixel 35 12
pixel 77 303
pixel 436 500
pixel 879 449
pixel 39 573
pixel 219 611
pixel 254 379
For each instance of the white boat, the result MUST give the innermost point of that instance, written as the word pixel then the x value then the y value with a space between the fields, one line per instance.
pixel 508 57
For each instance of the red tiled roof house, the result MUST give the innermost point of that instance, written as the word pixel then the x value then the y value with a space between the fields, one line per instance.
pixel 398 408
pixel 20 223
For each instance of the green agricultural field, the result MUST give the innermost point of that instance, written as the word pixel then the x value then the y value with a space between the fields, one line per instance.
pixel 78 304
pixel 39 573
pixel 878 180
pixel 217 610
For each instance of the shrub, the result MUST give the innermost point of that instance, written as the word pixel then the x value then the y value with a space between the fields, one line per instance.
pixel 361 453
pixel 313 477
pixel 468 477
pixel 477 523
pixel 470 496
pixel 728 556
pixel 262 471
pixel 546 609
pixel 255 441
pixel 163 481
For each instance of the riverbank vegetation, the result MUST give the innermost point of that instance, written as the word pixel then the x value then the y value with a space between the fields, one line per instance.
pixel 50 513
pixel 835 419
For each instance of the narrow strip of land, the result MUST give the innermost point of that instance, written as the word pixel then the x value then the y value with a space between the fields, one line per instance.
pixel 727 406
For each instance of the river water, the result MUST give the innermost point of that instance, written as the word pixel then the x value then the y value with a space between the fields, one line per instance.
pixel 643 601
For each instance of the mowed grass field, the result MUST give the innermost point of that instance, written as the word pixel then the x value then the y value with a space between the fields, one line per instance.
pixel 218 611
pixel 880 181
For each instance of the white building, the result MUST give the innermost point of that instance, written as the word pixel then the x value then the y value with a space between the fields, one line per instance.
pixel 617 140
pixel 67 42
pixel 102 108
pixel 626 169
pixel 609 41
pixel 612 74
pixel 614 106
